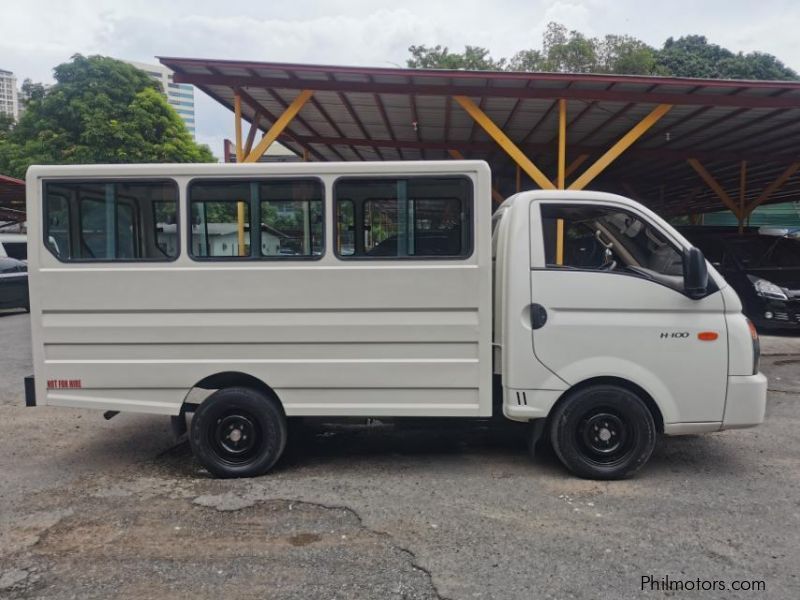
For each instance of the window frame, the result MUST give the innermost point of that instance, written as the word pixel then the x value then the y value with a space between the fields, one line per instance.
pixel 78 212
pixel 469 220
pixel 712 284
pixel 255 217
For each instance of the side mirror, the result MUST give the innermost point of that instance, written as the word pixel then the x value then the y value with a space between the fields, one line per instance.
pixel 695 273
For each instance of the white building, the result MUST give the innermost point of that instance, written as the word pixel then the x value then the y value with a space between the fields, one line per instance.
pixel 223 239
pixel 179 95
pixel 9 102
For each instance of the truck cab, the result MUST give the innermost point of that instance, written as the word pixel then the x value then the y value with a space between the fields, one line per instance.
pixel 610 327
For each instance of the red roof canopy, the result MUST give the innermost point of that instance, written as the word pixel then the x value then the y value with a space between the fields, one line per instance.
pixel 364 113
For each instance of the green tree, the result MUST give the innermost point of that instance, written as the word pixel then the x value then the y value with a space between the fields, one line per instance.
pixel 527 60
pixel 626 55
pixel 6 124
pixel 32 91
pixel 474 58
pixel 100 110
pixel 570 51
pixel 694 56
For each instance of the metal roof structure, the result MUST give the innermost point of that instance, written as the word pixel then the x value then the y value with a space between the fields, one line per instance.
pixel 12 199
pixel 701 144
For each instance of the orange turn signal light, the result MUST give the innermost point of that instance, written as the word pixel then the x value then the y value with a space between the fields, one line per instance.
pixel 707 336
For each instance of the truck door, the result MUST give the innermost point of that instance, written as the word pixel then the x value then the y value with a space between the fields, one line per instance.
pixel 607 299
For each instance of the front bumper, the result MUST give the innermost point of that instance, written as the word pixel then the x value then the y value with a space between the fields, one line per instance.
pixel 783 315
pixel 746 401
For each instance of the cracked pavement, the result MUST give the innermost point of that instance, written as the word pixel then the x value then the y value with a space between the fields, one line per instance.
pixel 96 509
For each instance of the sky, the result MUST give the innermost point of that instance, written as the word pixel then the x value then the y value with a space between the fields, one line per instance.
pixel 39 34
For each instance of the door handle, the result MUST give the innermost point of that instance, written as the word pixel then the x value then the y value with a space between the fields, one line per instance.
pixel 538 316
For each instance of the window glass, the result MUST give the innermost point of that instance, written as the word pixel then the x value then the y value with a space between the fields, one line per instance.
pixel 282 219
pixel 424 217
pixel 608 239
pixel 291 218
pixel 108 221
pixel 166 224
pixel 345 228
pixel 18 250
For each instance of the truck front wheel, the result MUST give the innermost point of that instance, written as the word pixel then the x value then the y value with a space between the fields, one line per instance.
pixel 603 432
pixel 238 432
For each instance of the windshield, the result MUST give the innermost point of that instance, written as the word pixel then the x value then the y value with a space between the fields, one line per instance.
pixel 766 251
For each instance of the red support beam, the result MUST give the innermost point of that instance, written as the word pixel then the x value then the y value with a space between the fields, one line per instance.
pixel 349 108
pixel 655 154
pixel 315 103
pixel 416 125
pixel 385 118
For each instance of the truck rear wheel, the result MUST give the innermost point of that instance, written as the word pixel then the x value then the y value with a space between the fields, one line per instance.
pixel 238 432
pixel 603 432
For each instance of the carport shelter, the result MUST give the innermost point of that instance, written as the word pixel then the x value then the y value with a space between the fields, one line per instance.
pixel 681 146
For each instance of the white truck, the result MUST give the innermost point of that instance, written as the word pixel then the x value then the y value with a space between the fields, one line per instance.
pixel 377 290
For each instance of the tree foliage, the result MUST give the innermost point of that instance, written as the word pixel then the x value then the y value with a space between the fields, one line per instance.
pixel 694 56
pixel 474 58
pixel 100 110
pixel 570 51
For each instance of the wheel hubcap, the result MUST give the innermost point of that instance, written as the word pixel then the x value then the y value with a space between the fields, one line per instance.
pixel 236 437
pixel 603 436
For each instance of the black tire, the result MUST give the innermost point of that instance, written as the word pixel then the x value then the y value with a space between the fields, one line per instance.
pixel 238 432
pixel 603 432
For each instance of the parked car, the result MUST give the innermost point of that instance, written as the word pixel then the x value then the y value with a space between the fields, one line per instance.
pixel 763 269
pixel 792 232
pixel 14 245
pixel 13 284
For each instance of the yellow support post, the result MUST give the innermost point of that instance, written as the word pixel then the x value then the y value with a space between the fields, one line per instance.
pixel 279 125
pixel 251 135
pixel 237 124
pixel 240 222
pixel 773 187
pixel 456 154
pixel 623 144
pixel 715 186
pixel 562 143
pixel 237 115
pixel 504 142
pixel 559 242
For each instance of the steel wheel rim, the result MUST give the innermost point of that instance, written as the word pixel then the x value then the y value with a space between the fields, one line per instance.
pixel 604 436
pixel 235 437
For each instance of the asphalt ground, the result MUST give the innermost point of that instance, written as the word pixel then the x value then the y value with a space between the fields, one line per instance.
pixel 99 509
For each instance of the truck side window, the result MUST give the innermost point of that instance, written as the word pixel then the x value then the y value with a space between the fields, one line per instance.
pixel 608 239
pixel 218 210
pixel 292 223
pixel 419 217
pixel 237 219
pixel 111 220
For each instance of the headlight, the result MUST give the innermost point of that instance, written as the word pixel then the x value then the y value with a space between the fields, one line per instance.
pixel 767 289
